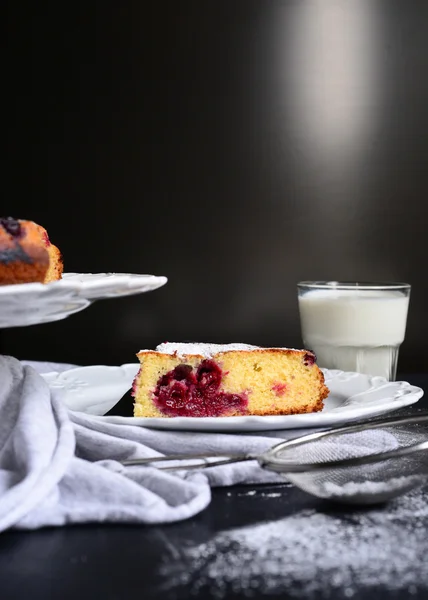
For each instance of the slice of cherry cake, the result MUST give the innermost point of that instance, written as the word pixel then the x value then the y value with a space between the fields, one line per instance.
pixel 212 380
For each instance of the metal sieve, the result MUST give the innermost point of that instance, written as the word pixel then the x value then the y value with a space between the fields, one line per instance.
pixel 367 463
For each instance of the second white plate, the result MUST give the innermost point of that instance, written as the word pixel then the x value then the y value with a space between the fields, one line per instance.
pixel 96 389
pixel 34 303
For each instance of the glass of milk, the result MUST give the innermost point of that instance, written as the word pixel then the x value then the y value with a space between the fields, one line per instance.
pixel 354 326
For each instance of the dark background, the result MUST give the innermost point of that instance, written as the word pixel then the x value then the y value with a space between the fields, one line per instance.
pixel 235 146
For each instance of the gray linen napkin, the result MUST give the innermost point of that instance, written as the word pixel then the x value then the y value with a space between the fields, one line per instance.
pixel 58 467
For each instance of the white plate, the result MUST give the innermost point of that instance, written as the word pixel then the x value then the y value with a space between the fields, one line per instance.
pixel 33 303
pixel 96 389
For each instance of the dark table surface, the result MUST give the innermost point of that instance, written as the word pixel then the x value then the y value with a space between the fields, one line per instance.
pixel 271 540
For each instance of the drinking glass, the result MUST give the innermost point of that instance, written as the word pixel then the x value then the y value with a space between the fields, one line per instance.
pixel 354 326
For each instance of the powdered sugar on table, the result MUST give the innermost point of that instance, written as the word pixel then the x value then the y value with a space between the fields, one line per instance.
pixel 312 555
pixel 360 490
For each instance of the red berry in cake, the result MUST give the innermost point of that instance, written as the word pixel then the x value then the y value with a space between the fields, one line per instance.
pixel 12 226
pixel 184 372
pixel 209 377
pixel 279 388
pixel 176 395
pixel 46 238
pixel 309 359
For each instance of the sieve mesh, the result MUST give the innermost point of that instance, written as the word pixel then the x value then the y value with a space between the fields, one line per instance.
pixel 371 481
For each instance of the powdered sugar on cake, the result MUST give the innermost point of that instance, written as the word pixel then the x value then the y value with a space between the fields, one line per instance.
pixel 205 349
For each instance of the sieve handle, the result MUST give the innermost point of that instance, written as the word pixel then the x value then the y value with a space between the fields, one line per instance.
pixel 203 461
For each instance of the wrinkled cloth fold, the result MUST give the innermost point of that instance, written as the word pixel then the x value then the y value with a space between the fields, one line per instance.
pixel 60 467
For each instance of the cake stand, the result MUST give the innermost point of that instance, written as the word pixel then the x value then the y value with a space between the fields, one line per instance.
pixel 36 303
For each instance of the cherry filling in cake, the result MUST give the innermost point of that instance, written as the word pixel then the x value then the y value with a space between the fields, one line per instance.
pixel 12 226
pixel 279 388
pixel 184 392
pixel 46 239
pixel 309 359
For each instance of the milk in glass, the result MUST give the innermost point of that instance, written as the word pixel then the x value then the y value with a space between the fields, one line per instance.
pixel 355 329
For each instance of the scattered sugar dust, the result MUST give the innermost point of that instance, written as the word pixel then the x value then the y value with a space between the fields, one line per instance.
pixel 258 493
pixel 311 555
pixel 358 490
